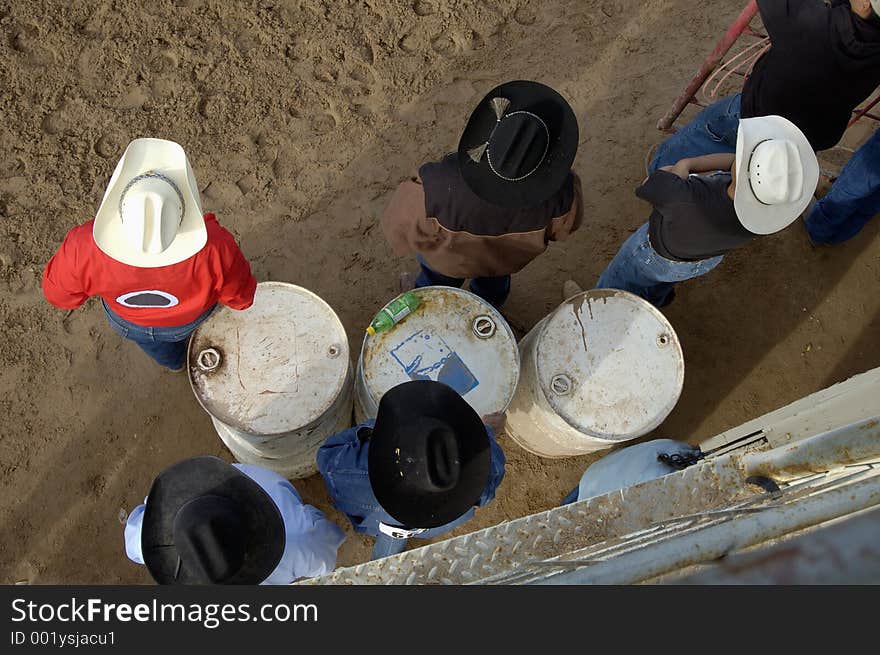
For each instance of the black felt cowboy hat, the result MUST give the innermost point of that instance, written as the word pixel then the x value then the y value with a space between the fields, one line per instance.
pixel 519 144
pixel 206 522
pixel 428 459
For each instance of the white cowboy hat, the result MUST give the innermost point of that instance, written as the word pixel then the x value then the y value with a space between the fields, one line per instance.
pixel 151 214
pixel 776 173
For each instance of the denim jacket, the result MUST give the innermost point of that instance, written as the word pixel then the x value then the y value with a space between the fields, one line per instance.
pixel 342 461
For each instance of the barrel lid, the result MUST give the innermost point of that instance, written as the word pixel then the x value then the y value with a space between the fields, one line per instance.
pixel 610 364
pixel 275 367
pixel 454 337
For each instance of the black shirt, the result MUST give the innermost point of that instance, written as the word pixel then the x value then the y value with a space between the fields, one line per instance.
pixel 823 62
pixel 693 219
pixel 449 199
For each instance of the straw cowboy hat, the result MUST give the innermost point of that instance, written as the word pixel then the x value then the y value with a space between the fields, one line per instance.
pixel 429 457
pixel 518 145
pixel 206 522
pixel 151 214
pixel 776 173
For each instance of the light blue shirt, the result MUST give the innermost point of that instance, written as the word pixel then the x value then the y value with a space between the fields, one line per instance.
pixel 311 540
pixel 629 466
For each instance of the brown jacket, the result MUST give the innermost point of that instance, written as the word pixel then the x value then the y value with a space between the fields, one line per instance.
pixel 436 215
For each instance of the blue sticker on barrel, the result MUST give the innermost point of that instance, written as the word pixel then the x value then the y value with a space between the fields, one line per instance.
pixel 425 356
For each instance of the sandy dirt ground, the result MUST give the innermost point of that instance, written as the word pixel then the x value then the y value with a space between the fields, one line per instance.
pixel 300 117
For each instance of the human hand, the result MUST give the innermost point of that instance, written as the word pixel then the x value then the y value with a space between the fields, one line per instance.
pixel 681 168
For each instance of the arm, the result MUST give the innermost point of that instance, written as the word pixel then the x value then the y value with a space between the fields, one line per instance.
pixel 717 162
pixel 562 227
pixel 237 284
pixel 316 545
pixel 404 223
pixel 62 284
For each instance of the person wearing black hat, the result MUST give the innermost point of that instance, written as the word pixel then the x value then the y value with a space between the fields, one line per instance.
pixel 417 470
pixel 209 522
pixel 490 208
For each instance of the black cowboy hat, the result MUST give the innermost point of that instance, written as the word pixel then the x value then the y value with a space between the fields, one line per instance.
pixel 429 455
pixel 519 144
pixel 206 522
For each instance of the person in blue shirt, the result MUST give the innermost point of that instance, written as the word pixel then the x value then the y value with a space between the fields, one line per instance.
pixel 623 468
pixel 209 522
pixel 417 470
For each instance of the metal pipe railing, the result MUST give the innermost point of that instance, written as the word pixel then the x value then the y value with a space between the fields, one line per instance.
pixel 709 65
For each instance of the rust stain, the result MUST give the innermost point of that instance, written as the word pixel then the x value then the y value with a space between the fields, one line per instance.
pixel 577 306
pixel 238 357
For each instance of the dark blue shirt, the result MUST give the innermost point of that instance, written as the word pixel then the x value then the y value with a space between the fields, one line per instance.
pixel 342 461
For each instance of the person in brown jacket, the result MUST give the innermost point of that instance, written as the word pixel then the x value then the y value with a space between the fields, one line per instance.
pixel 490 208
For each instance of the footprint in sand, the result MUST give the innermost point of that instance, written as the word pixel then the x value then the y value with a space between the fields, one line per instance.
pixel 324 123
pixel 443 45
pixel 109 145
pixel 325 73
pixel 24 38
pixel 12 167
pixel 409 43
pixel 213 106
pixel 363 75
pixel 424 8
pixel 525 16
pixel 55 122
pixel 164 62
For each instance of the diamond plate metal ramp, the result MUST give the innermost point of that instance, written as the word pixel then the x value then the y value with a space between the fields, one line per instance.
pixel 492 552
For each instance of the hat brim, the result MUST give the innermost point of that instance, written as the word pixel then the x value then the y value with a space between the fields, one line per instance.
pixel 554 169
pixel 140 156
pixel 754 215
pixel 199 476
pixel 403 406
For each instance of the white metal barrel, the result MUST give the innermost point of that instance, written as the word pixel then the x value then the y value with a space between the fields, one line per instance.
pixel 276 378
pixel 603 368
pixel 454 337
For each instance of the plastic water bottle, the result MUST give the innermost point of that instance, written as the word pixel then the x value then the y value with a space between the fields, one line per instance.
pixel 394 312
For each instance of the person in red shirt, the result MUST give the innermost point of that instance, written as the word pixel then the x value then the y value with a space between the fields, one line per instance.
pixel 158 263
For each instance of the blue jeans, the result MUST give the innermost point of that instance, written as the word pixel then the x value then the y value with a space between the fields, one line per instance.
pixel 493 290
pixel 386 546
pixel 853 200
pixel 571 497
pixel 712 131
pixel 166 345
pixel 638 268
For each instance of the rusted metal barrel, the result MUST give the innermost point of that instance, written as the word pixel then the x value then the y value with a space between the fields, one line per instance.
pixel 275 378
pixel 453 337
pixel 605 367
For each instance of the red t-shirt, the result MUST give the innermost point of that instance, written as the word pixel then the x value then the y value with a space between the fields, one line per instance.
pixel 165 296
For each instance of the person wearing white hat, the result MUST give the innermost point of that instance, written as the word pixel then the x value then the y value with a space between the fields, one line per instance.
pixel 706 206
pixel 158 263
pixel 824 60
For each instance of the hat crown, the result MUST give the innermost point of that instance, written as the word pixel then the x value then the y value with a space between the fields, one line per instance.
pixel 151 209
pixel 442 463
pixel 428 459
pixel 776 174
pixel 210 535
pixel 518 145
